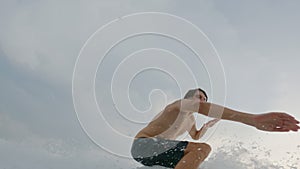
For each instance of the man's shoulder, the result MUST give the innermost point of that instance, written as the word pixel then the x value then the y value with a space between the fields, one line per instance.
pixel 174 106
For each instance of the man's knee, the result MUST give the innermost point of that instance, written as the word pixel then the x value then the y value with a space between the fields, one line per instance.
pixel 200 150
pixel 199 147
pixel 206 147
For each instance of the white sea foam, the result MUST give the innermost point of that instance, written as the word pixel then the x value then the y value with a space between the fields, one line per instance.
pixel 52 153
pixel 236 155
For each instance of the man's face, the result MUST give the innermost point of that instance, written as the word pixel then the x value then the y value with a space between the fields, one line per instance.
pixel 199 96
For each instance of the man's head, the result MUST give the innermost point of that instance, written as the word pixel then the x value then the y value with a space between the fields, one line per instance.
pixel 196 94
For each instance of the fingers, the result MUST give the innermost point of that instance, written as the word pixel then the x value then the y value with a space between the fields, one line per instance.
pixel 286 121
pixel 292 127
pixel 288 117
pixel 281 130
pixel 276 121
pixel 286 125
pixel 283 127
pixel 216 120
pixel 294 121
pixel 212 122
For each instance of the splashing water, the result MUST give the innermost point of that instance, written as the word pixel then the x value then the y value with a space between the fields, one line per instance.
pixel 235 155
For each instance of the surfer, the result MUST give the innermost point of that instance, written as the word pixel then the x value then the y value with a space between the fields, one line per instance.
pixel 156 144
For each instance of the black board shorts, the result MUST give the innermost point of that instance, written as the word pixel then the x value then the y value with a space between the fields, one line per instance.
pixel 158 151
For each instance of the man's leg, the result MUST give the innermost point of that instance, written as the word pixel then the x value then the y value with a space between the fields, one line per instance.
pixel 194 154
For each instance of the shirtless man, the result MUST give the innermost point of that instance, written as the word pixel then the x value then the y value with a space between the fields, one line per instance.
pixel 156 145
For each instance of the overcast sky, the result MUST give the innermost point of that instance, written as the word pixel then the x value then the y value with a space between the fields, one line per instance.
pixel 247 58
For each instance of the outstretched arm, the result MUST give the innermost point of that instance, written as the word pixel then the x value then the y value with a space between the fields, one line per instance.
pixel 274 121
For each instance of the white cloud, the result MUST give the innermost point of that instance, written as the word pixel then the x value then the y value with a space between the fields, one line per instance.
pixel 43 38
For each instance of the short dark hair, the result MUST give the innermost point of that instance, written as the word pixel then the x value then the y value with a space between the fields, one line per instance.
pixel 191 93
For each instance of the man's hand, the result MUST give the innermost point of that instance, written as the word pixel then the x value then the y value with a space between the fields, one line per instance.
pixel 205 127
pixel 274 121
pixel 210 123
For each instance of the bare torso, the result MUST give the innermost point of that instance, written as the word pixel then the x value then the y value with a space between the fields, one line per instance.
pixel 168 125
